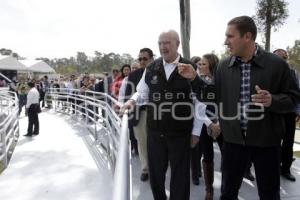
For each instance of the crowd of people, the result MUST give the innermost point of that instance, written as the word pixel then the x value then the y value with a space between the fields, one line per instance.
pixel 246 103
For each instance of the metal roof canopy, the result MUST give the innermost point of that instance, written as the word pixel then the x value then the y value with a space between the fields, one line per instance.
pixel 11 63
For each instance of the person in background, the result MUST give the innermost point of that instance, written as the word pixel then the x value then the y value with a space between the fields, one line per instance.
pixel 135 66
pixel 70 85
pixel 110 80
pixel 42 92
pixel 115 88
pixel 121 98
pixel 290 128
pixel 22 89
pixel 196 151
pixel 13 85
pixel 139 115
pixel 207 95
pixel 45 88
pixel 197 60
pixel 32 110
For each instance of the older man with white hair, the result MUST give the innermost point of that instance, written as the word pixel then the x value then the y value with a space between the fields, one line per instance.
pixel 169 119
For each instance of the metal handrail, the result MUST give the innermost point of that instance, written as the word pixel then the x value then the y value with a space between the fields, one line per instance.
pixel 121 188
pixel 9 123
pixel 108 130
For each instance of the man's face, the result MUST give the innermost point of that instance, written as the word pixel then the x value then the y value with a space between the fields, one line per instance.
pixel 144 59
pixel 135 66
pixel 234 41
pixel 116 73
pixel 282 54
pixel 168 47
pixel 126 71
pixel 92 80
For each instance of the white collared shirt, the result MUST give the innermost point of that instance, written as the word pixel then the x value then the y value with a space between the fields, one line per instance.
pixel 142 91
pixel 33 97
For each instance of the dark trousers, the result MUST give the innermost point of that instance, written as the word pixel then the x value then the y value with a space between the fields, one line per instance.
pixel 22 102
pixel 42 98
pixel 133 140
pixel 235 159
pixel 71 100
pixel 207 145
pixel 161 151
pixel 288 142
pixel 33 121
pixel 196 155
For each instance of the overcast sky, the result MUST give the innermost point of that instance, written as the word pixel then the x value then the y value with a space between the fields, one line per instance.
pixel 60 28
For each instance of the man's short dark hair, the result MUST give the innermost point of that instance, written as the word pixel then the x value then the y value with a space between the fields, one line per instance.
pixel 244 24
pixel 30 84
pixel 149 51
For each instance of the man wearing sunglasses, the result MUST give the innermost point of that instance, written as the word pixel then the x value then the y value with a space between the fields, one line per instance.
pixel 138 117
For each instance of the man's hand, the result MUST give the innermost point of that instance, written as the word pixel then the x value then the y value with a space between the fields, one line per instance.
pixel 215 130
pixel 187 71
pixel 263 97
pixel 194 140
pixel 26 111
pixel 128 105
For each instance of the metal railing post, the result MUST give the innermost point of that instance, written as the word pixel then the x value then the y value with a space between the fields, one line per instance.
pixel 3 141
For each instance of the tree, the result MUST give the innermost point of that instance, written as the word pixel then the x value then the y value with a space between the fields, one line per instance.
pixel 224 55
pixel 46 60
pixel 185 27
pixel 5 52
pixel 270 13
pixel 294 55
pixel 81 61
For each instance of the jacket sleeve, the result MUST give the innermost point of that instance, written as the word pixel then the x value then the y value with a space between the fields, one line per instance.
pixel 287 99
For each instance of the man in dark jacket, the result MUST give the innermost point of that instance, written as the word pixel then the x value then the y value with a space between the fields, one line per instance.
pixel 254 90
pixel 138 119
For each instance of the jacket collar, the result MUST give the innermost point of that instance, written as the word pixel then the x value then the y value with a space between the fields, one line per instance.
pixel 258 58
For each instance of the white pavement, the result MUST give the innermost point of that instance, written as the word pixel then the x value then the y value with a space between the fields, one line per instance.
pixel 58 164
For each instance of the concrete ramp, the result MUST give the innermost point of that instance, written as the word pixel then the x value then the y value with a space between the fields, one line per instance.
pixel 58 164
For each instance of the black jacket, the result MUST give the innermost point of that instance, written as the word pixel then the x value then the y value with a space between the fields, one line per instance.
pixel 270 73
pixel 170 108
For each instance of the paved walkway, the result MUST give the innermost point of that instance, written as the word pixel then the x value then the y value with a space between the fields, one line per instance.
pixel 55 165
pixel 60 164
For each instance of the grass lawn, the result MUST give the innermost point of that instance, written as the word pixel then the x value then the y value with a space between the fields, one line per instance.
pixel 297 154
pixel 1 167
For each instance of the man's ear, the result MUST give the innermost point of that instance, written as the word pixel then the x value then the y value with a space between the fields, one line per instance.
pixel 248 36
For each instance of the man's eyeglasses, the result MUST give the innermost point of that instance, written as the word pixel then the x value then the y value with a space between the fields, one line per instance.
pixel 143 58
